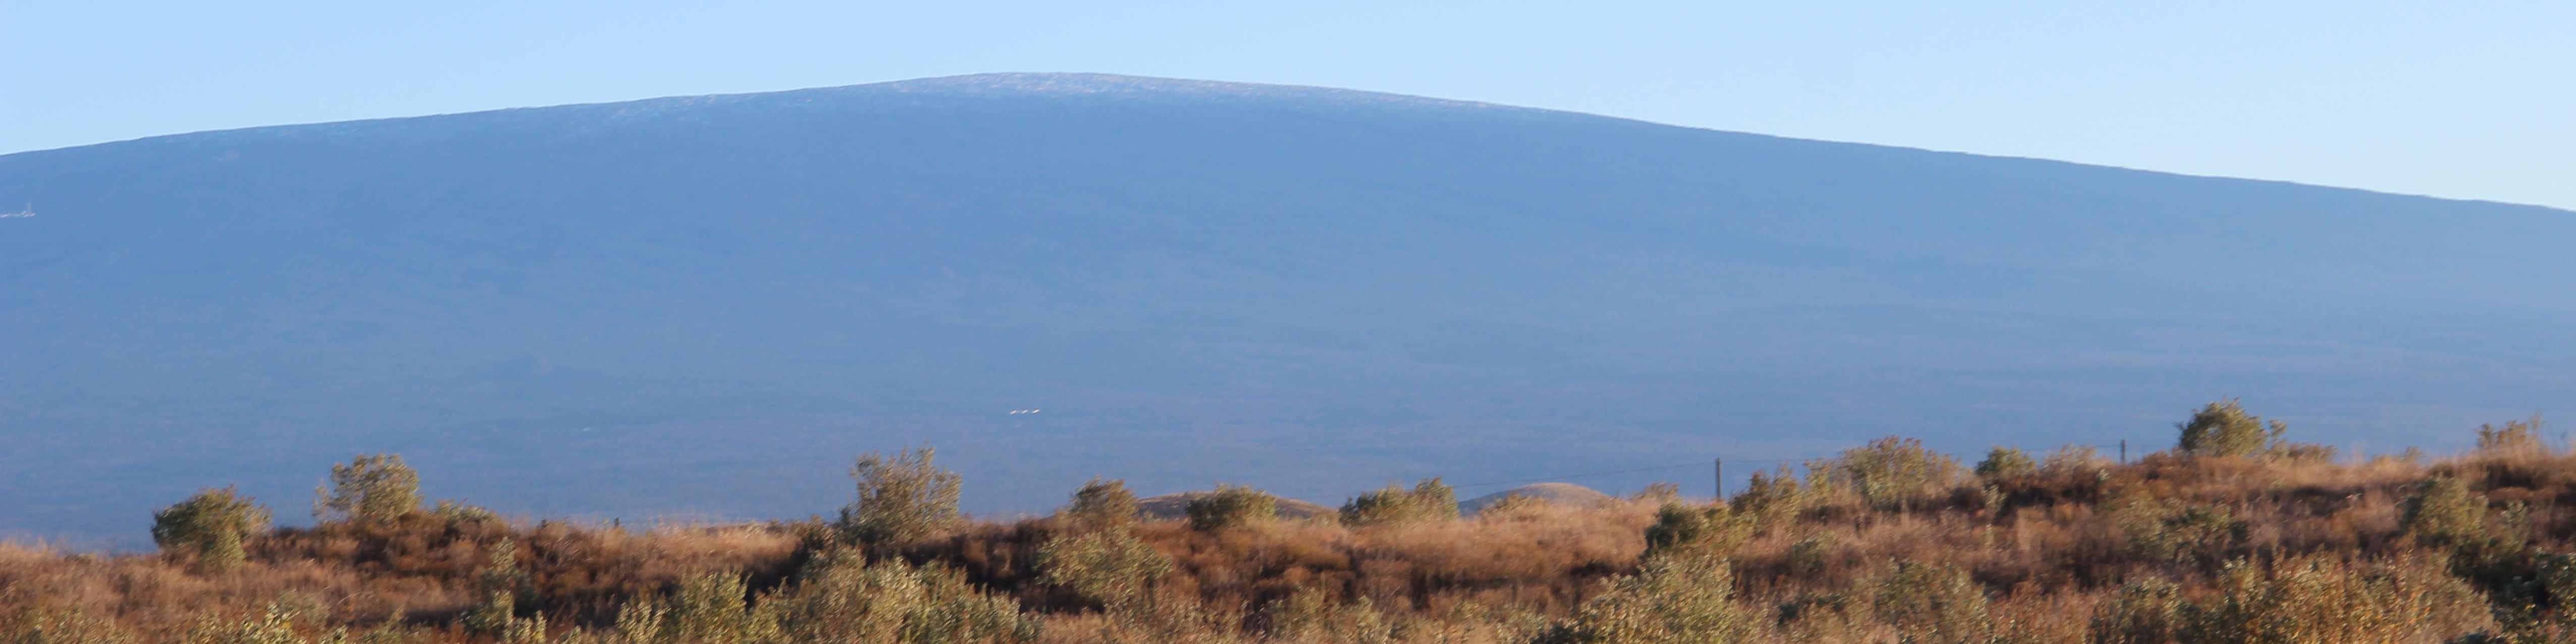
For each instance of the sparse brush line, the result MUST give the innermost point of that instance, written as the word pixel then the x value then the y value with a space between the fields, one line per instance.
pixel 2235 535
pixel 1658 468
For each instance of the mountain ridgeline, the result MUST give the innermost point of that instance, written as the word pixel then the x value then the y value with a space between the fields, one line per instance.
pixel 681 305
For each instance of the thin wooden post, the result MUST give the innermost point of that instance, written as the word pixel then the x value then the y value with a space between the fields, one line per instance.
pixel 2124 451
pixel 1719 465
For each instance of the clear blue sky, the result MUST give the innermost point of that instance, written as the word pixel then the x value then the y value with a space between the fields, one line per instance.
pixel 2471 100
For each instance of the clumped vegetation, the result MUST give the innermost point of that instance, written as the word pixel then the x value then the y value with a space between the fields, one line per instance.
pixel 2236 535
pixel 902 499
pixel 1232 507
pixel 1891 474
pixel 1429 500
pixel 2224 429
pixel 372 488
pixel 207 530
pixel 2006 462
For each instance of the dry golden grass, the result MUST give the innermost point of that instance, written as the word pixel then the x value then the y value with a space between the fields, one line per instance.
pixel 2036 555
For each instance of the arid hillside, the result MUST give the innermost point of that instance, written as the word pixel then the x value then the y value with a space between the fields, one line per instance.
pixel 2237 534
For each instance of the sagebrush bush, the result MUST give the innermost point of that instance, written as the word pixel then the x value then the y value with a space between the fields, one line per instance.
pixel 2146 611
pixel 2321 599
pixel 1232 506
pixel 279 622
pixel 1931 603
pixel 2224 428
pixel 2005 462
pixel 2082 460
pixel 2519 437
pixel 500 584
pixel 843 598
pixel 1773 497
pixel 1316 615
pixel 1683 529
pixel 705 609
pixel 1812 555
pixel 1428 500
pixel 2166 530
pixel 1660 492
pixel 1111 567
pixel 461 512
pixel 901 499
pixel 1682 599
pixel 1895 473
pixel 2443 512
pixel 371 488
pixel 1101 505
pixel 208 530
pixel 42 624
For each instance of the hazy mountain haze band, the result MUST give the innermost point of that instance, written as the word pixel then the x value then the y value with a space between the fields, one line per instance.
pixel 663 306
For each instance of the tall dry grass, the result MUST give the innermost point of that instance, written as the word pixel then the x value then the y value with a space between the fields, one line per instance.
pixel 1888 545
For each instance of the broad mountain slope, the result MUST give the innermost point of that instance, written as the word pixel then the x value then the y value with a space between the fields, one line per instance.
pixel 706 305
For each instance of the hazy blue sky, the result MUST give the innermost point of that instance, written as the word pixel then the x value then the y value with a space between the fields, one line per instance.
pixel 2473 100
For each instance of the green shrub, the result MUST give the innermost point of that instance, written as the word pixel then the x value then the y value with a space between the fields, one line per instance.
pixel 39 624
pixel 1110 567
pixel 1931 603
pixel 2146 612
pixel 1435 500
pixel 500 583
pixel 1101 505
pixel 1313 614
pixel 840 597
pixel 1821 616
pixel 2443 512
pixel 1681 529
pixel 1895 474
pixel 1428 500
pixel 532 630
pixel 493 615
pixel 1096 554
pixel 208 529
pixel 2078 460
pixel 2006 462
pixel 1232 506
pixel 2555 577
pixel 456 512
pixel 1771 498
pixel 2318 599
pixel 372 488
pixel 1658 493
pixel 2223 428
pixel 1669 600
pixel 712 608
pixel 901 499
pixel 1812 555
pixel 2165 530
pixel 2515 437
pixel 281 622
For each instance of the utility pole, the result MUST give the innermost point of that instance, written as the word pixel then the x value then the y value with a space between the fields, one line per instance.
pixel 1720 466
pixel 2124 451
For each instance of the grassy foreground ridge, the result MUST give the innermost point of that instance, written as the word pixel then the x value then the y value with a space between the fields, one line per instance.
pixel 2237 534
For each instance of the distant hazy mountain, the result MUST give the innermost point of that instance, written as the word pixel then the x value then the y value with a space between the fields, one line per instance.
pixel 694 306
pixel 1567 494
